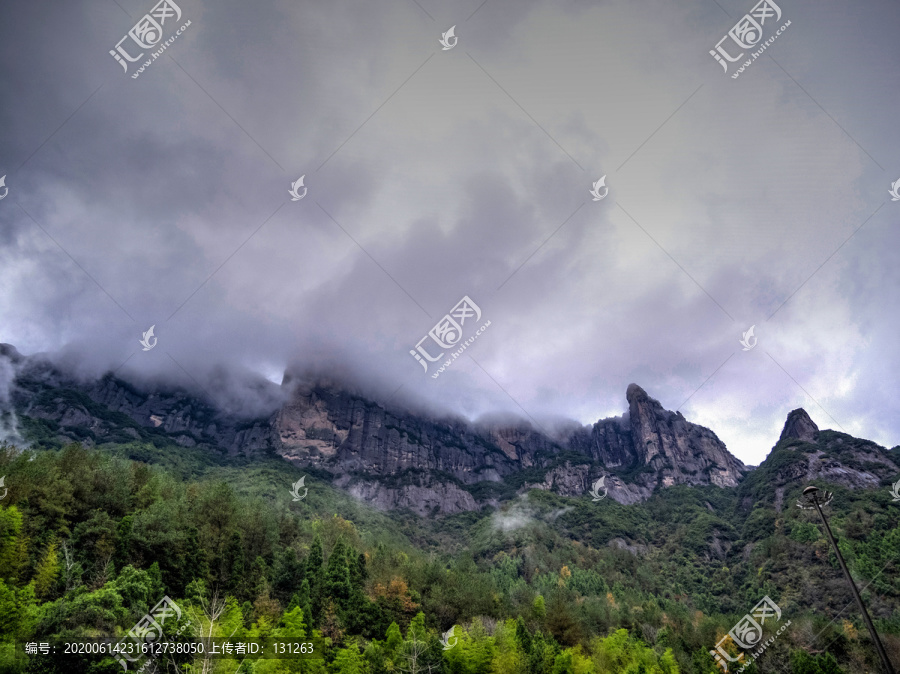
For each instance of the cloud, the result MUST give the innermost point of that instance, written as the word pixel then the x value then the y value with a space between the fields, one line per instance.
pixel 521 514
pixel 432 175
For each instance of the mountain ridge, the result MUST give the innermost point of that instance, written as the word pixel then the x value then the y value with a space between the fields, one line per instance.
pixel 396 459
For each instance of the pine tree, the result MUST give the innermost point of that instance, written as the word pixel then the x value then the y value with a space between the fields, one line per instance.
pixel 258 582
pixel 523 637
pixel 315 574
pixel 316 558
pixel 804 663
pixel 232 568
pixel 124 529
pixel 194 563
pixel 539 607
pixel 288 574
pixel 359 573
pixel 304 600
pixel 337 576
pixel 158 589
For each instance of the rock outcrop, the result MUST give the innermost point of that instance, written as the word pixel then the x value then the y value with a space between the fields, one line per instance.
pixel 111 410
pixel 389 457
pixel 805 454
pixel 800 427
pixel 648 447
pixel 661 446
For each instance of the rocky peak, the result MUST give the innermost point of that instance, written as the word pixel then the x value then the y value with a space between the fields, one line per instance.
pixel 681 452
pixel 10 353
pixel 391 456
pixel 826 455
pixel 798 425
pixel 635 393
pixel 647 417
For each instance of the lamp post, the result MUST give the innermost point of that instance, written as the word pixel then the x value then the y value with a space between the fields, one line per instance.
pixel 812 497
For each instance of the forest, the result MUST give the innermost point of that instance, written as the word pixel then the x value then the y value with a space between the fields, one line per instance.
pixel 92 538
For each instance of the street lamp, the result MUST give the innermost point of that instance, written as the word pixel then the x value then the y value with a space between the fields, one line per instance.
pixel 812 496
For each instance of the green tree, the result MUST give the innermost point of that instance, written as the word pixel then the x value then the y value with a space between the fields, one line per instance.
pixel 123 542
pixel 191 562
pixel 258 582
pixel 621 652
pixel 804 663
pixel 539 607
pixel 393 639
pixel 231 570
pixel 337 576
pixel 288 575
pixel 509 657
pixel 314 573
pixel 304 599
pixel 348 661
pixel 13 546
pixel 94 542
pixel 47 572
pixel 473 652
pixel 9 613
pixel 139 589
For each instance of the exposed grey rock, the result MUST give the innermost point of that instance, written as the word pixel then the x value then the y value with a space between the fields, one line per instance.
pixel 41 390
pixel 394 458
pixel 829 456
pixel 332 429
pixel 799 426
pixel 433 498
pixel 666 447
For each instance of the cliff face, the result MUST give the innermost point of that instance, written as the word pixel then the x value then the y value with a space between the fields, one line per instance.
pixel 652 446
pixel 799 426
pixel 390 458
pixel 339 432
pixel 664 445
pixel 45 399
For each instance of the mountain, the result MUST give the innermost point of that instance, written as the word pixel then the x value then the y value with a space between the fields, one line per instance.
pixel 389 457
pixel 394 458
pixel 176 496
pixel 805 454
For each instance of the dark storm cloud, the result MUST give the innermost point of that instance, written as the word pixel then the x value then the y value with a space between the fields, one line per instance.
pixel 437 174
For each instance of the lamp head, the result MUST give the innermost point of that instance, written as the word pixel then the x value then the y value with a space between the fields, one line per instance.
pixel 812 496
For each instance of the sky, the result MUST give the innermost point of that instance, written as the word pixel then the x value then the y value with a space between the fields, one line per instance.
pixel 434 172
